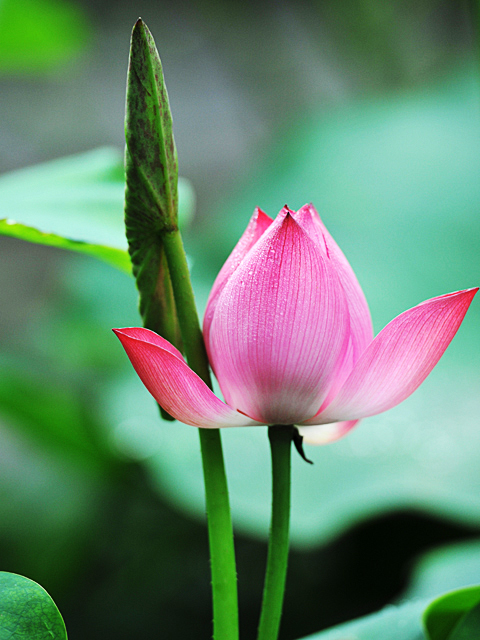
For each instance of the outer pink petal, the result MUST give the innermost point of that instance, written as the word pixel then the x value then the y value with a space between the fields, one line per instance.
pixel 399 358
pixel 361 331
pixel 259 222
pixel 173 384
pixel 325 433
pixel 280 325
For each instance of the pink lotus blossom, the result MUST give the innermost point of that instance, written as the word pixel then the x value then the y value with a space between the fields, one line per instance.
pixel 289 337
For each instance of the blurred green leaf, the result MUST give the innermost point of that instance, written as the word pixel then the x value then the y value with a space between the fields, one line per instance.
pixel 392 623
pixel 454 615
pixel 407 461
pixel 48 505
pixel 57 466
pixel 396 179
pixel 52 412
pixel 38 36
pixel 398 184
pixel 75 203
pixel 444 569
pixel 115 257
pixel 27 612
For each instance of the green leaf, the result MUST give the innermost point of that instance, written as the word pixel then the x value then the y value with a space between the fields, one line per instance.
pixel 453 614
pixel 392 623
pixel 27 612
pixel 75 203
pixel 468 627
pixel 151 198
pixel 115 257
pixel 40 36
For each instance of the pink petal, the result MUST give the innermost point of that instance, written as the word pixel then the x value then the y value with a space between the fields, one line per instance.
pixel 325 433
pixel 361 331
pixel 173 384
pixel 279 328
pixel 259 222
pixel 399 358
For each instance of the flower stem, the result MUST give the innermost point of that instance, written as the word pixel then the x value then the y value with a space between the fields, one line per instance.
pixel 280 437
pixel 220 531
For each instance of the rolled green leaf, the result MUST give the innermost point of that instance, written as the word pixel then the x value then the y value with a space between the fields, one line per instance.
pixel 152 168
pixel 151 196
pixel 27 612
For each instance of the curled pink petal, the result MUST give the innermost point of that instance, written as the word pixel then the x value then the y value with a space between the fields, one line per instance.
pixel 325 433
pixel 280 325
pixel 399 358
pixel 259 222
pixel 173 384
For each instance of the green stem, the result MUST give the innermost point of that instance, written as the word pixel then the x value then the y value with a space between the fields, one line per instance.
pixel 220 530
pixel 220 537
pixel 280 437
pixel 193 344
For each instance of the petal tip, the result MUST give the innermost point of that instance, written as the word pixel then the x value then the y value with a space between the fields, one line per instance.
pixel 260 216
pixel 470 294
pixel 464 297
pixel 120 333
pixel 136 333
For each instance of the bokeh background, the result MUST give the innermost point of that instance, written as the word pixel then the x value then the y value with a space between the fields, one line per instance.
pixel 370 110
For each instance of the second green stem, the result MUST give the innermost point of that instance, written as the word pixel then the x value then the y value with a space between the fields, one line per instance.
pixel 280 437
pixel 220 537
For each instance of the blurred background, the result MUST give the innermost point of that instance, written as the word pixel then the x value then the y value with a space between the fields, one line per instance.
pixel 370 110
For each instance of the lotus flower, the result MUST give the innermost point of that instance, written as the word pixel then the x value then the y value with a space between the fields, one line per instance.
pixel 289 337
